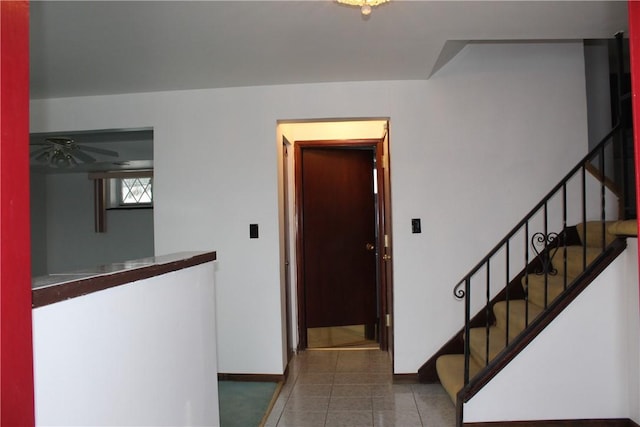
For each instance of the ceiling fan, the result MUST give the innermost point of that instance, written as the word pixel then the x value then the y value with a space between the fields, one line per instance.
pixel 63 152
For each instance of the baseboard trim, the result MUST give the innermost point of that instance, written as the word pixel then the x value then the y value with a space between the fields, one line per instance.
pixel 616 422
pixel 267 378
pixel 405 378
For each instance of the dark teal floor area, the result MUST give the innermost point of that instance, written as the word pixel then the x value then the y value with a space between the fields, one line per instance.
pixel 244 403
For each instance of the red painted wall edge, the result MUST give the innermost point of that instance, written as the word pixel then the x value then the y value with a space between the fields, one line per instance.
pixel 634 52
pixel 16 352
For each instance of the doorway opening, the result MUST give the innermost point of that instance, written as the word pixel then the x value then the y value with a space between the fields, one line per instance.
pixel 336 200
pixel 337 255
pixel 351 337
pixel 120 163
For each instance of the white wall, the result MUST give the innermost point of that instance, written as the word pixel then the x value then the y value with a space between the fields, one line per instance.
pixel 140 354
pixel 584 365
pixel 69 238
pixel 472 150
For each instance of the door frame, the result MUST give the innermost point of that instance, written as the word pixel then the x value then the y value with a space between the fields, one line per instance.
pixel 287 249
pixel 383 247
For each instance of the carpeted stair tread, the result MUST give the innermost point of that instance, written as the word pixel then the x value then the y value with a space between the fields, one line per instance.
pixel 624 228
pixel 575 263
pixel 569 263
pixel 478 343
pixel 450 369
pixel 518 315
pixel 592 235
pixel 536 285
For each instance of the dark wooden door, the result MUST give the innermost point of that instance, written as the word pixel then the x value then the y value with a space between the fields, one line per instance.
pixel 338 214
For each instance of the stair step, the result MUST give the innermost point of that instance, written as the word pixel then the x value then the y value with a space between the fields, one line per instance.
pixel 450 368
pixel 574 259
pixel 555 286
pixel 478 343
pixel 594 230
pixel 517 315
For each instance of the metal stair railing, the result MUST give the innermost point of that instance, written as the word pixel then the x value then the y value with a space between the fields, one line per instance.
pixel 600 188
pixel 534 230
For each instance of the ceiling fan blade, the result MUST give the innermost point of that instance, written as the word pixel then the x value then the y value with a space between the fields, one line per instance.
pixel 37 152
pixel 97 150
pixel 83 156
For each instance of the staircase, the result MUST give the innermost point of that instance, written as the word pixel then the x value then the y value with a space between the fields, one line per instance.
pixel 543 263
pixel 540 289
pixel 536 270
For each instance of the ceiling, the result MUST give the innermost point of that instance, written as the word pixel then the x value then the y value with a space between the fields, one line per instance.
pixel 83 48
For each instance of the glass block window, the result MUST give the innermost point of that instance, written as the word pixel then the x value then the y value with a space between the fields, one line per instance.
pixel 136 191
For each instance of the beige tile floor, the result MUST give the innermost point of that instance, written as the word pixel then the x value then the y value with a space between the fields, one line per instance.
pixel 339 336
pixel 355 388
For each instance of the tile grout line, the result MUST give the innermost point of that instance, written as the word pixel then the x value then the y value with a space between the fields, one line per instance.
pixel 415 402
pixel 360 376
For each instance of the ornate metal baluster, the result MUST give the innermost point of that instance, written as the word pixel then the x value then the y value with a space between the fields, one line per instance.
pixel 545 247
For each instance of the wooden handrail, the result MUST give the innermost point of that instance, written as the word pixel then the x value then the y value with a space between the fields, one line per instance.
pixel 597 174
pixel 111 276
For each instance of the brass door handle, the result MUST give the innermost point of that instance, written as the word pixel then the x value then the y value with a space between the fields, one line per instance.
pixel 370 246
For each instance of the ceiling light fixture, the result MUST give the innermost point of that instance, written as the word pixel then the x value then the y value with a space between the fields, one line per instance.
pixel 364 5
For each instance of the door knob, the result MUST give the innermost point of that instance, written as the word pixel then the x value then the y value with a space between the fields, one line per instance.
pixel 370 246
